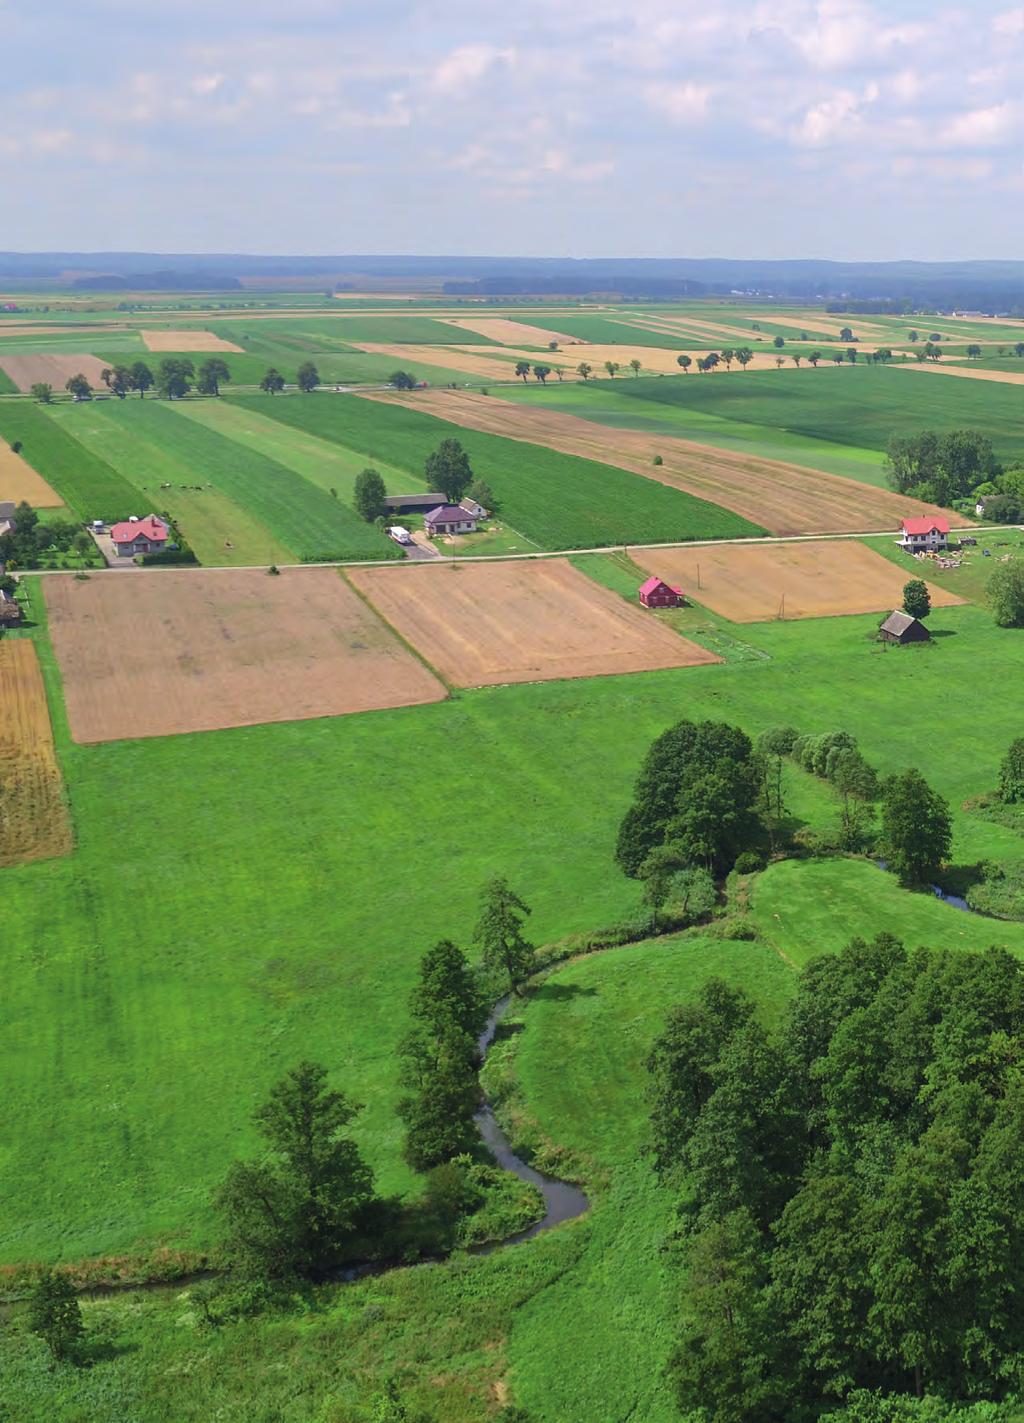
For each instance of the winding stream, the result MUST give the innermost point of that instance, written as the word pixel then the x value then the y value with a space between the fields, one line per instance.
pixel 562 1201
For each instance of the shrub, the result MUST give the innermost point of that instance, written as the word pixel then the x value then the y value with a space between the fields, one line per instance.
pixel 778 740
pixel 657 460
pixel 749 863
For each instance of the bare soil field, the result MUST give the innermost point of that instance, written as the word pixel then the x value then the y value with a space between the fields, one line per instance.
pixel 26 371
pixel 483 624
pixel 783 498
pixel 34 820
pixel 186 341
pixel 18 480
pixel 967 372
pixel 152 654
pixel 757 582
pixel 512 333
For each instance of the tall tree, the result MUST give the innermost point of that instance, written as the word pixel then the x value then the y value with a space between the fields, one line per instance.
pixel 213 373
pixel 916 827
pixel 142 378
pixel 273 382
pixel 612 367
pixel 585 370
pixel 686 362
pixel 499 933
pixel 1011 774
pixel 402 380
pixel 916 598
pixel 298 1210
pixel 308 377
pixel 369 495
pixel 1004 593
pixel 174 377
pixel 43 392
pixel 448 992
pixel 523 369
pixel 635 366
pixel 448 469
pixel 542 372
pixel 78 387
pixel 438 1071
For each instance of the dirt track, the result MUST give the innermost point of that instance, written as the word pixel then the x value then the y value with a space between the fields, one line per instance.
pixel 483 624
pixel 782 498
pixel 151 654
pixel 35 823
pixel 756 582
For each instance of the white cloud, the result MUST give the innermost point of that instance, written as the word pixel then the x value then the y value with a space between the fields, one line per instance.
pixel 680 103
pixel 981 128
pixel 830 120
pixel 1009 24
pixel 464 66
pixel 206 83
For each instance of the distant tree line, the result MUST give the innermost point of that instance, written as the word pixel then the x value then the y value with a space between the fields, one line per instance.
pixel 174 378
pixel 850 1196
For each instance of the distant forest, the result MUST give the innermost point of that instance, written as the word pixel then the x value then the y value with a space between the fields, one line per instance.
pixel 992 287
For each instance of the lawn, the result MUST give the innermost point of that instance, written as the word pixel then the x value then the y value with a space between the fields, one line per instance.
pixel 297 513
pixel 558 501
pixel 87 484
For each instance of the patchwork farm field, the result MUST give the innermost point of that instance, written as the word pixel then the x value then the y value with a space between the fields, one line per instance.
pixel 557 500
pixel 784 498
pixel 34 820
pixel 19 481
pixel 792 580
pixel 185 650
pixel 484 624
pixel 25 371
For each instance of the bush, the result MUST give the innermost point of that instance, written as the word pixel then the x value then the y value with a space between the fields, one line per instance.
pixel 657 460
pixel 778 740
pixel 749 863
pixel 167 557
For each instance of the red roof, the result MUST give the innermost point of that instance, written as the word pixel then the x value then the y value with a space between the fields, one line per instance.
pixel 151 528
pixel 925 526
pixel 653 584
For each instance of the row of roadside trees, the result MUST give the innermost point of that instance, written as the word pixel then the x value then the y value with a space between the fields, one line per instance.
pixel 174 378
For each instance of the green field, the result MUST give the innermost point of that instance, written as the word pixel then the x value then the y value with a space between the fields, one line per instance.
pixel 613 403
pixel 87 484
pixel 556 500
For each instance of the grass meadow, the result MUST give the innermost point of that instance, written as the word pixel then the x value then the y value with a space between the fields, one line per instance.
pixel 87 484
pixel 558 501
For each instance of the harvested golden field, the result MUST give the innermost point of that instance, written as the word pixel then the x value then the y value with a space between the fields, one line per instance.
pixel 967 372
pixel 186 341
pixel 783 498
pixel 483 624
pixel 469 359
pixel 18 480
pixel 152 654
pixel 26 371
pixel 34 820
pixel 512 333
pixel 752 583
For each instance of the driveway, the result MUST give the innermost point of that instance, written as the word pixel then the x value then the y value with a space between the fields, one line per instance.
pixel 422 549
pixel 105 544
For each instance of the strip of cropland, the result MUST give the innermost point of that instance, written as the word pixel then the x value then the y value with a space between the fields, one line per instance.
pixel 305 518
pixel 784 498
pixel 553 498
pixel 87 484
pixel 325 463
pixel 35 823
pixel 861 406
pixel 19 481
pixel 218 529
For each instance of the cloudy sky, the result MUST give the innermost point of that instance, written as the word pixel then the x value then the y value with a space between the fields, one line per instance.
pixel 772 128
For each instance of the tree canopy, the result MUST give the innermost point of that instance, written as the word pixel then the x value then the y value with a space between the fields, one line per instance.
pixel 851 1199
pixel 448 469
pixel 1004 593
pixel 916 827
pixel 369 495
pixel 916 598
pixel 940 468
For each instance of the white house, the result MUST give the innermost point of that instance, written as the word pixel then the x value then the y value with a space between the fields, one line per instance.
pixel 924 535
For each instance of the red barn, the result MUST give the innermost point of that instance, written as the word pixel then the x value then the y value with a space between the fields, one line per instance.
pixel 655 593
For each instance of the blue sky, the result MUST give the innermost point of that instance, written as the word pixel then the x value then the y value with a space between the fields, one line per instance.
pixel 772 128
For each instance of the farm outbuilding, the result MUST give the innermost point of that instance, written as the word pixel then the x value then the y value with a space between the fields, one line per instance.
pixel 656 593
pixel 413 503
pixel 901 628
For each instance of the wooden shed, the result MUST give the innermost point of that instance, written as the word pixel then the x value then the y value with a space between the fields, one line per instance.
pixel 656 593
pixel 901 628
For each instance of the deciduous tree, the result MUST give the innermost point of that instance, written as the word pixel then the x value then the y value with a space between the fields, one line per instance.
pixel 78 387
pixel 916 827
pixel 686 362
pixel 1004 594
pixel 308 377
pixel 213 373
pixel 369 495
pixel 499 933
pixel 142 378
pixel 174 377
pixel 273 382
pixel 916 598
pixel 55 1315
pixel 448 469
pixel 1011 774
pixel 43 392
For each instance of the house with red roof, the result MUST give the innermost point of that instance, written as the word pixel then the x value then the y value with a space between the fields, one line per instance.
pixel 924 535
pixel 148 535
pixel 656 593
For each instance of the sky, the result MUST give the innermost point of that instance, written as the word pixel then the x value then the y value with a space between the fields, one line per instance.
pixel 846 129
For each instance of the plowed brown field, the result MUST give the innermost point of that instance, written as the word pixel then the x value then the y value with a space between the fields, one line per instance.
pixel 482 624
pixel 152 654
pixel 26 371
pixel 783 498
pixel 19 480
pixel 186 341
pixel 34 821
pixel 751 583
